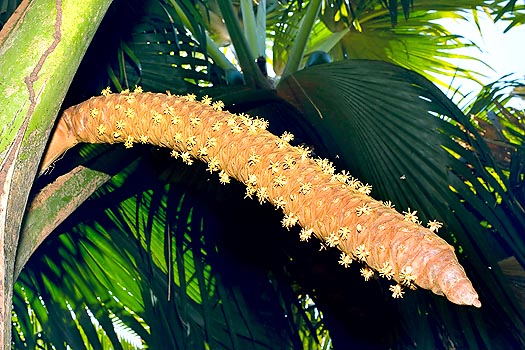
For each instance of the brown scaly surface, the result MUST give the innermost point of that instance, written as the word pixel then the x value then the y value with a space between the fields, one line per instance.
pixel 334 207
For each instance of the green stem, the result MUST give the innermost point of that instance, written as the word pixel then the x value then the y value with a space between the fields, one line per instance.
pixel 41 47
pixel 299 45
pixel 252 74
pixel 250 27
pixel 211 48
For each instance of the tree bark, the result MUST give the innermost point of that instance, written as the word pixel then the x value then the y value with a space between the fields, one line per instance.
pixel 41 47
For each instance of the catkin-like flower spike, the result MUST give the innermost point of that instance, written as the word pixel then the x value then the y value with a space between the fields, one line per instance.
pixel 380 235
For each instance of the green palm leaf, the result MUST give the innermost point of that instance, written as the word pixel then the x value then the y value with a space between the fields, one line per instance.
pixel 145 253
pixel 394 129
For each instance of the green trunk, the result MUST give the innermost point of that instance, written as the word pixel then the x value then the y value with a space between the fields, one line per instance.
pixel 41 47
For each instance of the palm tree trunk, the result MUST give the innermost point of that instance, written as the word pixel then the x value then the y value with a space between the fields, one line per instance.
pixel 334 207
pixel 40 49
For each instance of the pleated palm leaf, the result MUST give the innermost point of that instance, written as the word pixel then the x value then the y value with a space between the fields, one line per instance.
pixel 388 125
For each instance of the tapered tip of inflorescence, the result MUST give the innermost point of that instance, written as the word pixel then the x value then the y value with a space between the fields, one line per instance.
pixel 334 207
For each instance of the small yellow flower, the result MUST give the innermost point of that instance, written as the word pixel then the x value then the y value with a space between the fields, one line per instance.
pixel 345 260
pixel 388 204
pixel 94 112
pixel 332 240
pixel 191 142
pixel 106 91
pixel 214 165
pixel 138 89
pixel 304 151
pixel 236 129
pixel 397 291
pixel 344 232
pixel 363 209
pixel 206 100
pixel 177 137
pixel 289 162
pixel 305 188
pixel 143 139
pixel 186 158
pixel 305 234
pixel 101 129
pixel 195 121
pixel 218 105
pixel 125 91
pixel 261 123
pixel 287 136
pixel 279 181
pixel 175 119
pixel 130 112
pixel 223 177
pixel 262 194
pixel 252 128
pixel 406 275
pixel 232 120
pixel 354 183
pixel 344 176
pixel 289 220
pixel 254 159
pixel 361 253
pixel 279 203
pixel 156 117
pixel 275 167
pixel 326 166
pixel 129 98
pixel 129 142
pixel 203 151
pixel 169 110
pixel 365 189
pixel 410 215
pixel 174 154
pixel 250 191
pixel 434 225
pixel 367 273
pixel 120 125
pixel 190 97
pixel 252 180
pixel 386 271
pixel 211 142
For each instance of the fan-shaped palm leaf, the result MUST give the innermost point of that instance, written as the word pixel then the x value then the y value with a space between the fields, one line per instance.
pixel 393 128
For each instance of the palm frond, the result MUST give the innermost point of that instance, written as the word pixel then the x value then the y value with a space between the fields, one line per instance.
pixel 394 129
pixel 146 254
